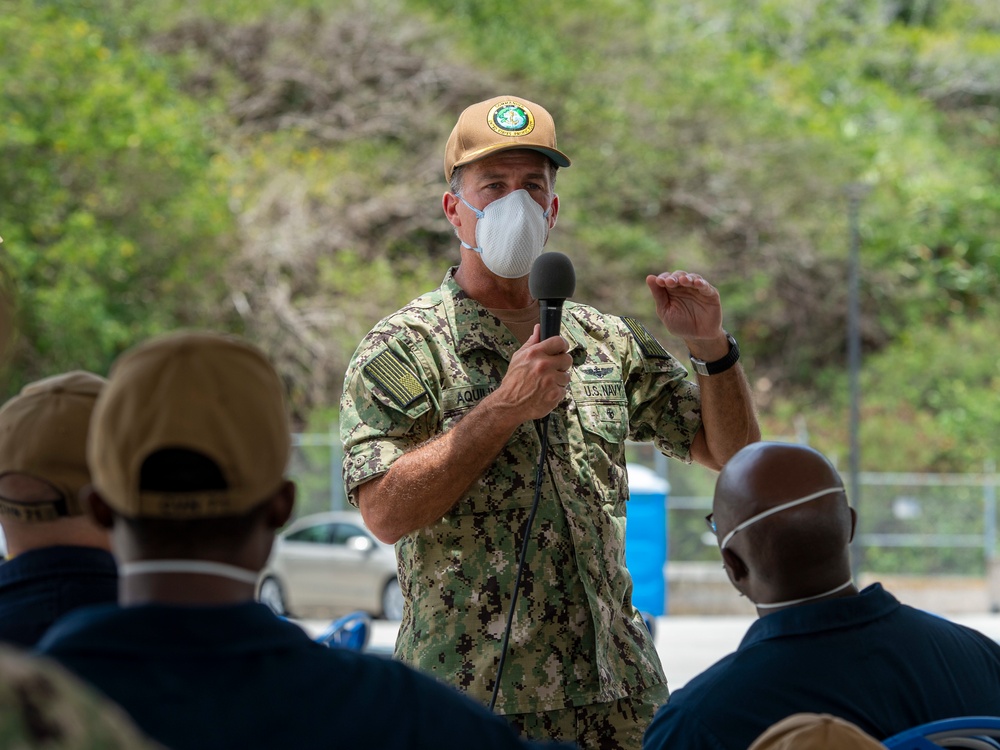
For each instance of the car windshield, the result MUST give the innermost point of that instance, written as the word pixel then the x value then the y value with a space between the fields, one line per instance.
pixel 328 533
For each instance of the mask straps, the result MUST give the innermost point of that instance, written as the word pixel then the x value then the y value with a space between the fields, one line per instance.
pixel 771 512
pixel 776 509
pixel 479 214
pixel 790 602
pixel 205 567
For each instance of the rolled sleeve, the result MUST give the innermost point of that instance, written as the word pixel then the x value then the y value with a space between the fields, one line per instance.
pixel 377 422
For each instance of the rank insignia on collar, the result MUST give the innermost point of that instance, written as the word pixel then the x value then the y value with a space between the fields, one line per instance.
pixel 394 377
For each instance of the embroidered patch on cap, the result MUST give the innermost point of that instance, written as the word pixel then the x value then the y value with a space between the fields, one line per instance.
pixel 511 118
pixel 650 346
pixel 395 378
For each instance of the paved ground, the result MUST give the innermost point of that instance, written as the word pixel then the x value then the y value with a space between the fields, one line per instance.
pixel 686 644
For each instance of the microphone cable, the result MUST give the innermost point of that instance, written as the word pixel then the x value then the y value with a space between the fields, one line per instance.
pixel 544 429
pixel 552 280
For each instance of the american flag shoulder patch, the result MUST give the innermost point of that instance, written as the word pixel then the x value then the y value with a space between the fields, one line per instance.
pixel 650 346
pixel 394 377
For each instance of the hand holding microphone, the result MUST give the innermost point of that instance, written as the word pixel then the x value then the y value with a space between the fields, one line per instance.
pixel 538 374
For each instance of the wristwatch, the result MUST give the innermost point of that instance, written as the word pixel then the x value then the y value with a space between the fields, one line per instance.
pixel 720 365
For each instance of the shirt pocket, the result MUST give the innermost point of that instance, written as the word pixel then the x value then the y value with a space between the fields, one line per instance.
pixel 601 403
pixel 601 406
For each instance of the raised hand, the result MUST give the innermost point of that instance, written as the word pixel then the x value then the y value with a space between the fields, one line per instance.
pixel 687 304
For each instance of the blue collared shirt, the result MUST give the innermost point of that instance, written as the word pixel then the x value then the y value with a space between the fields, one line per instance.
pixel 868 659
pixel 239 677
pixel 39 586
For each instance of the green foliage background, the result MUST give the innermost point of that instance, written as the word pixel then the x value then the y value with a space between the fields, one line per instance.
pixel 273 168
pixel 108 204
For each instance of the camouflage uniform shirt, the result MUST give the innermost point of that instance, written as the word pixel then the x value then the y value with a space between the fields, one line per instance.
pixel 576 638
pixel 43 705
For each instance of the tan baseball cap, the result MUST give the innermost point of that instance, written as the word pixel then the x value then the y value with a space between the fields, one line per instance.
pixel 208 393
pixel 43 434
pixel 500 124
pixel 811 731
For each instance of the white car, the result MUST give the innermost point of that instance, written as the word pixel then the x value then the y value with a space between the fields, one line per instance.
pixel 329 564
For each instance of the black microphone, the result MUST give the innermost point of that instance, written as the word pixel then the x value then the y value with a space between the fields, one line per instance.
pixel 551 281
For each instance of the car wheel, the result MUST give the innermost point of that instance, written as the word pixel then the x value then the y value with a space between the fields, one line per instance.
pixel 272 596
pixel 392 601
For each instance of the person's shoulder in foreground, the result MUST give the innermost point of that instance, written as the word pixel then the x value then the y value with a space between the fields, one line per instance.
pixel 44 706
pixel 188 448
pixel 58 559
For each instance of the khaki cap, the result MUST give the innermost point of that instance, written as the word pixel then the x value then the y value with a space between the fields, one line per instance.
pixel 43 433
pixel 500 124
pixel 810 731
pixel 204 392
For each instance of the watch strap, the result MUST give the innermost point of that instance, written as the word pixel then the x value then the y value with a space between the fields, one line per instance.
pixel 720 365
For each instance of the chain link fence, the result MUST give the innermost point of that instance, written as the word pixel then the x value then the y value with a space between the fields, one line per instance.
pixel 908 523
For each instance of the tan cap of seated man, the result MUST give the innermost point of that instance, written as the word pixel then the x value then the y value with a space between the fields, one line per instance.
pixel 188 449
pixel 784 526
pixel 810 731
pixel 43 464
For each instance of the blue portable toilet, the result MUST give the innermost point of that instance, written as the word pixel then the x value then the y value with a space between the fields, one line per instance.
pixel 646 538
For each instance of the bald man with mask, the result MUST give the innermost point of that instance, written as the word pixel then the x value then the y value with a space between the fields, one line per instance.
pixel 784 526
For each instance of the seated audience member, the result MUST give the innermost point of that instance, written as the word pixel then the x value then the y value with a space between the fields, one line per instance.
pixel 188 448
pixel 44 706
pixel 807 731
pixel 59 559
pixel 820 646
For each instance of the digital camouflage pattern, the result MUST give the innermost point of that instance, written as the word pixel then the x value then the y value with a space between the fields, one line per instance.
pixel 576 637
pixel 44 706
pixel 608 726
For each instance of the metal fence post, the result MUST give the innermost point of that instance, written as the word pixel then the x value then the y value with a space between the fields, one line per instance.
pixel 990 561
pixel 989 510
pixel 338 499
pixel 856 192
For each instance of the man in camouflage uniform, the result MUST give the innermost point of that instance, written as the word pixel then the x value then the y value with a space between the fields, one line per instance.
pixel 441 446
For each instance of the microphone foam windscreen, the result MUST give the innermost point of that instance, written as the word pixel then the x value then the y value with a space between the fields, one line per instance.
pixel 552 277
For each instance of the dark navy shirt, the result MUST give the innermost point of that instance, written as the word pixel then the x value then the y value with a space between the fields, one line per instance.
pixel 39 586
pixel 867 658
pixel 240 677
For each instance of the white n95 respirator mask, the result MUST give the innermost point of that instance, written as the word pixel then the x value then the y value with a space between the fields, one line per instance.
pixel 510 234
